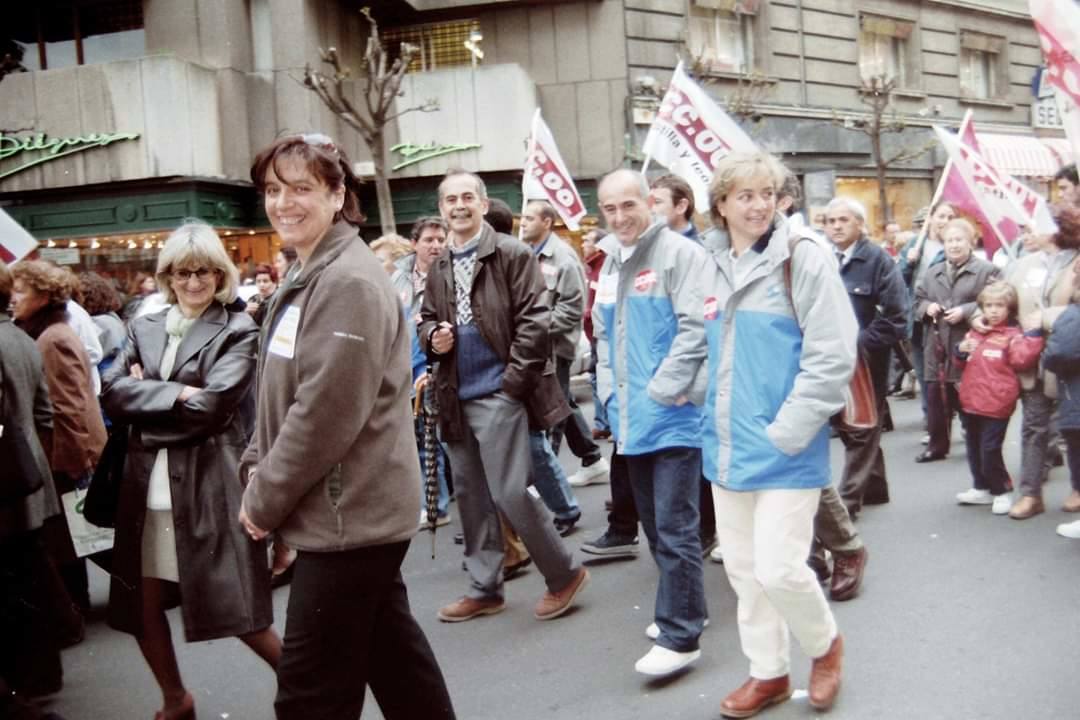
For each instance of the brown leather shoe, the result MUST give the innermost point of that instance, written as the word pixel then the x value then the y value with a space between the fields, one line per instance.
pixel 467 608
pixel 1072 503
pixel 825 676
pixel 1027 507
pixel 847 574
pixel 754 696
pixel 552 605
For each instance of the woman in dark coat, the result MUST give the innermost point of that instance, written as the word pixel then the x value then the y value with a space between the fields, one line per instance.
pixel 944 305
pixel 178 383
pixel 29 584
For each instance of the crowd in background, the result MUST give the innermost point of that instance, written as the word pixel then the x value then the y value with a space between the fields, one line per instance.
pixel 465 335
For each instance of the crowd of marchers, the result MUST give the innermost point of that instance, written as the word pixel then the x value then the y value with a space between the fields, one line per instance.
pixel 299 434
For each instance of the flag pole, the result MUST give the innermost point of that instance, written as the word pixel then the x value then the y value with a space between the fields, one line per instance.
pixel 525 175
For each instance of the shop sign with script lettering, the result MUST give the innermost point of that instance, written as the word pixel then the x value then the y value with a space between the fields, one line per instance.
pixel 49 148
pixel 418 153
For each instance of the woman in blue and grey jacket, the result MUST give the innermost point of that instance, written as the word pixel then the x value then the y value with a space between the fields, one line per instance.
pixel 781 353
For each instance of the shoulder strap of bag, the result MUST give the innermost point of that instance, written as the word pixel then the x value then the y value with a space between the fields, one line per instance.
pixel 792 242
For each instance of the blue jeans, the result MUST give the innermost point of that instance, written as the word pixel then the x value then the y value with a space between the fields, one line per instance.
pixel 600 421
pixel 443 503
pixel 667 492
pixel 549 478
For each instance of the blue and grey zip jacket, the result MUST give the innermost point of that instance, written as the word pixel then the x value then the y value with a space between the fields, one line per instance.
pixel 647 321
pixel 775 375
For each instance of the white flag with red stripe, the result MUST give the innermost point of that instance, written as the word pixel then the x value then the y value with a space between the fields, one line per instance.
pixel 15 242
pixel 691 134
pixel 1005 202
pixel 546 176
pixel 1058 23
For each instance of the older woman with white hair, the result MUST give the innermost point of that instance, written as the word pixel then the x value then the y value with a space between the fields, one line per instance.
pixel 781 337
pixel 178 384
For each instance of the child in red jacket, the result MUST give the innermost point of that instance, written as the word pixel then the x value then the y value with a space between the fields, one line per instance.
pixel 989 389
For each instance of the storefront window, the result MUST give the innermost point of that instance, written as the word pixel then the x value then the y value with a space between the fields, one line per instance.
pixel 63 33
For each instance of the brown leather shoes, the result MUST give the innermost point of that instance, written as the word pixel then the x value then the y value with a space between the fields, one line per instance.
pixel 1027 507
pixel 847 574
pixel 552 605
pixel 1072 503
pixel 467 608
pixel 825 676
pixel 754 696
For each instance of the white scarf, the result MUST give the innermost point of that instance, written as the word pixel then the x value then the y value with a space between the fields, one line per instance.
pixel 159 496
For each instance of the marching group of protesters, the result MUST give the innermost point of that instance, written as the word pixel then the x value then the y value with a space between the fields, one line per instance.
pixel 722 362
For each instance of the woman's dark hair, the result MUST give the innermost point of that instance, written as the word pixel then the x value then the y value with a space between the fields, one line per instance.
pixel 1067 217
pixel 500 217
pixel 98 294
pixel 6 283
pixel 264 269
pixel 323 159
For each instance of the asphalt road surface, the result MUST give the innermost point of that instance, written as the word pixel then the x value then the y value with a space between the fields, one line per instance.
pixel 962 615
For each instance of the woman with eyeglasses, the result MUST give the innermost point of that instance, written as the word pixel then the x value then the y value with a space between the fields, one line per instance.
pixel 179 384
pixel 329 469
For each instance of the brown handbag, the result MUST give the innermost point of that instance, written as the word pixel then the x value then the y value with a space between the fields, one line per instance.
pixel 860 402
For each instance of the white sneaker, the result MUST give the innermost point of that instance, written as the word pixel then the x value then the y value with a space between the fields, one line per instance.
pixel 716 556
pixel 661 661
pixel 1069 530
pixel 1002 504
pixel 592 475
pixel 973 496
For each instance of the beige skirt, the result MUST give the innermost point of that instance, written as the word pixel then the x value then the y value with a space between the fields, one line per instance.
pixel 159 546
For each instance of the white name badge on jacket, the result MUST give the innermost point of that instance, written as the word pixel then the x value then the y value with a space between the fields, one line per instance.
pixel 283 343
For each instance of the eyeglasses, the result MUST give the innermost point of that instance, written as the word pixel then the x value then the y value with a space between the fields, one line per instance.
pixel 320 140
pixel 184 275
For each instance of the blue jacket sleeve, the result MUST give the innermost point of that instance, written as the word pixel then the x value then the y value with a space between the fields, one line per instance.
pixel 1062 354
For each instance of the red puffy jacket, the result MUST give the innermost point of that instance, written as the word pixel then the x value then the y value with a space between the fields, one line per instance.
pixel 989 385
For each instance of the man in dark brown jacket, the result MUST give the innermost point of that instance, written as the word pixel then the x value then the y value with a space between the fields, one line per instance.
pixel 484 318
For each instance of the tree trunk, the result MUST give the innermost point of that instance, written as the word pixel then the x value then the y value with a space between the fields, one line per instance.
pixel 879 164
pixel 382 184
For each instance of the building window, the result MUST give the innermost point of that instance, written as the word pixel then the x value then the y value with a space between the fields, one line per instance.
pixel 64 33
pixel 441 44
pixel 721 35
pixel 885 51
pixel 982 66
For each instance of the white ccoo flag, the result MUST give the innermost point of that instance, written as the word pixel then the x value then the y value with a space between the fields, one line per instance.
pixel 546 176
pixel 15 242
pixel 691 134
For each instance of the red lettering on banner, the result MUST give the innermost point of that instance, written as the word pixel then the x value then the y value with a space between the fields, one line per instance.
pixel 1062 68
pixel 645 281
pixel 558 187
pixel 679 111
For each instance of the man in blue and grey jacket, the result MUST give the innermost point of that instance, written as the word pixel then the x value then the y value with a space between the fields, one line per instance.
pixel 649 327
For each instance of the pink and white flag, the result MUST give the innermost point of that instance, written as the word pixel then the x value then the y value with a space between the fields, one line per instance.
pixel 15 242
pixel 691 134
pixel 546 176
pixel 1058 23
pixel 1003 202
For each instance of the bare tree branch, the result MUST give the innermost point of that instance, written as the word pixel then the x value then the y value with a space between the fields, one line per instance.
pixel 380 88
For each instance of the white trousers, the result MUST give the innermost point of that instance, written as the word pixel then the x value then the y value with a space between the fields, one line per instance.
pixel 765 539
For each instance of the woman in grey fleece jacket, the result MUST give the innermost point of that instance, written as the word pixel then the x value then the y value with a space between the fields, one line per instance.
pixel 332 467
